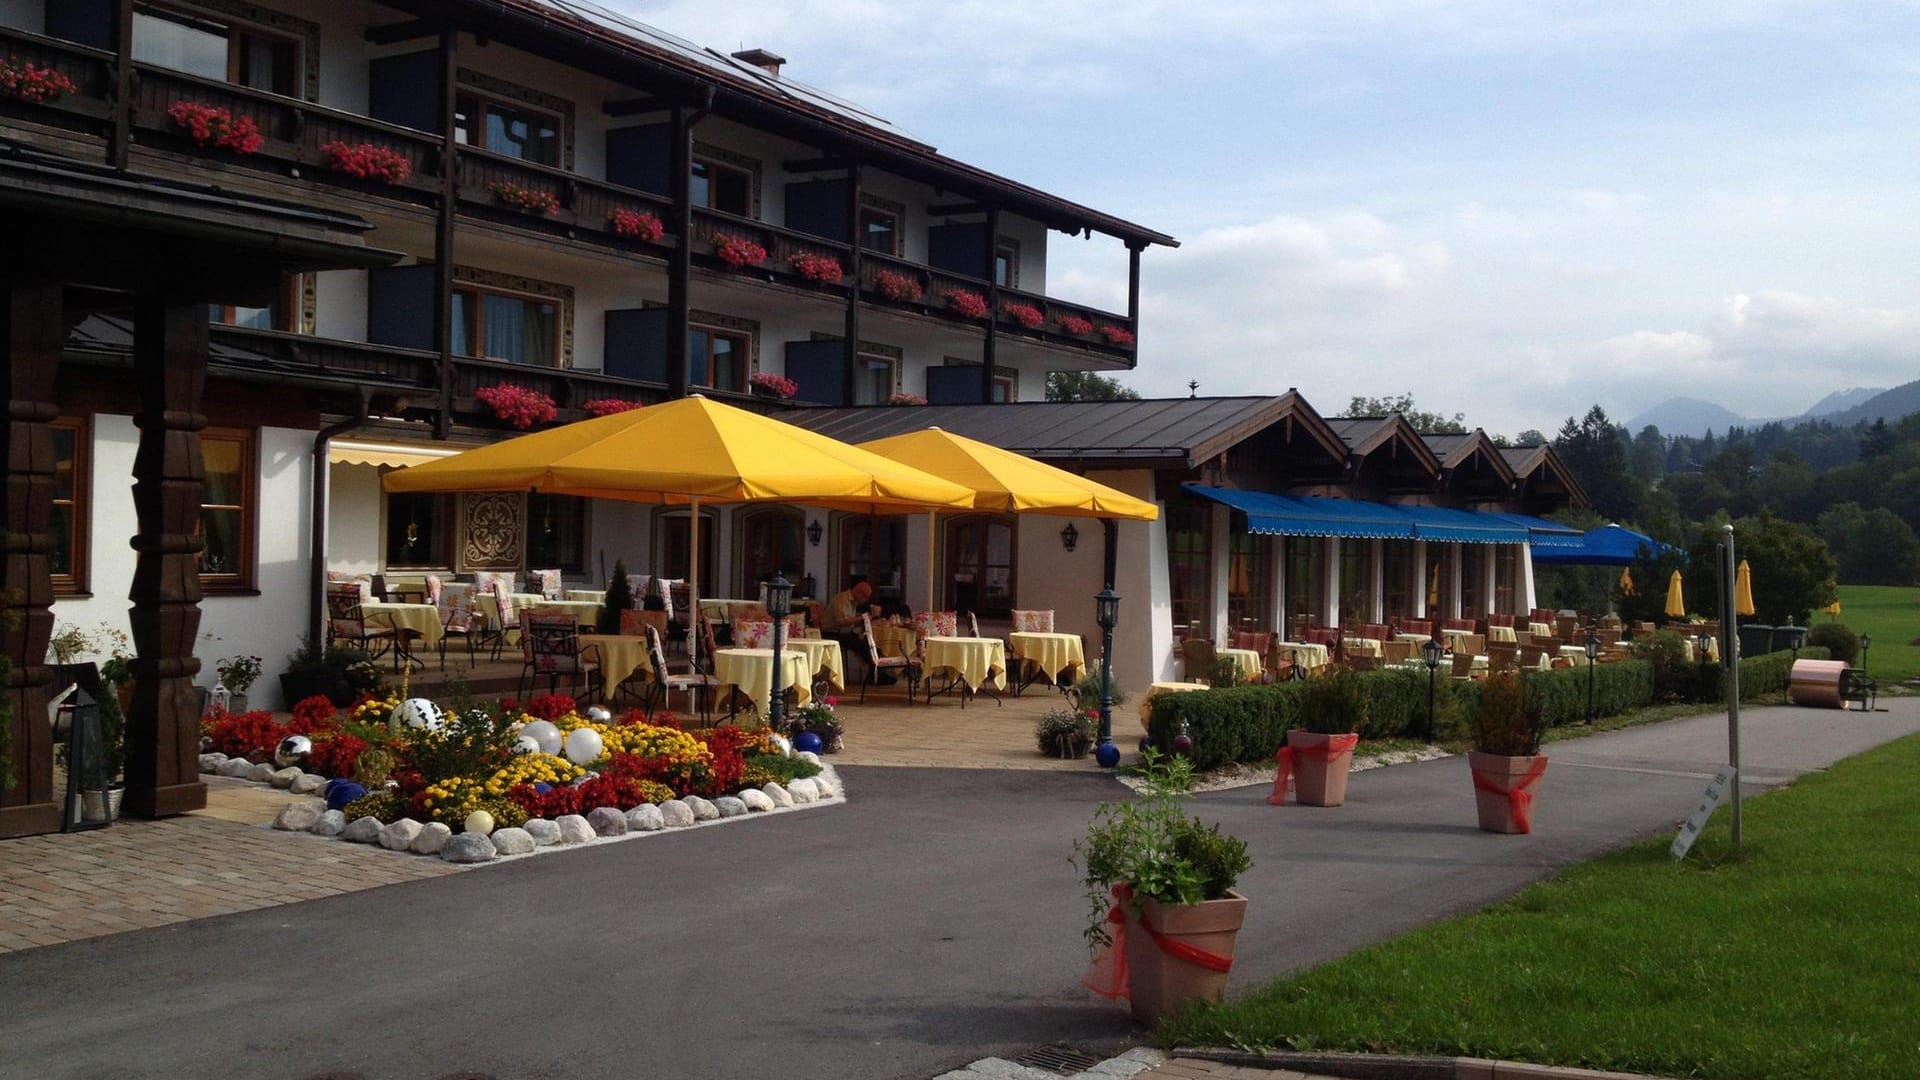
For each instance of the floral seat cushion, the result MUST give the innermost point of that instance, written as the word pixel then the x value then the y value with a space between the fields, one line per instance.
pixel 1032 622
pixel 753 634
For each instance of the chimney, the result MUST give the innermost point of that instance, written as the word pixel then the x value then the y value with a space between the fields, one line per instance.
pixel 762 59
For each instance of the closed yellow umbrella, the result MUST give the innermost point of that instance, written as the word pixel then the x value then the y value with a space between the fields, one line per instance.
pixel 1626 581
pixel 1433 590
pixel 1743 589
pixel 1676 603
pixel 1832 609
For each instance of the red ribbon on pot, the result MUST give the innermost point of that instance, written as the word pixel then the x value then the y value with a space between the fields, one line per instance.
pixel 1335 746
pixel 1107 976
pixel 1518 796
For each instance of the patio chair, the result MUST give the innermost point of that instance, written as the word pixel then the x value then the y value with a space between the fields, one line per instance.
pixel 663 682
pixel 459 619
pixel 551 646
pixel 547 583
pixel 908 666
pixel 1363 663
pixel 1502 657
pixel 753 633
pixel 1032 622
pixel 1463 664
pixel 973 625
pixel 347 622
pixel 1200 657
pixel 1396 652
pixel 1531 656
pixel 1417 626
pixel 635 621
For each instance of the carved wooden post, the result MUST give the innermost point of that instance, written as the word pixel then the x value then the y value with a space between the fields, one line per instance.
pixel 163 727
pixel 31 331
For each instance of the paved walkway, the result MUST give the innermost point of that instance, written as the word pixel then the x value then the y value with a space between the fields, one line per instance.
pixel 930 920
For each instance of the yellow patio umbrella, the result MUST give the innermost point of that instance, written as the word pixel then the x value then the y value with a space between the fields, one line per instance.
pixel 1626 581
pixel 1676 603
pixel 1743 589
pixel 1433 589
pixel 686 452
pixel 1004 481
pixel 1833 609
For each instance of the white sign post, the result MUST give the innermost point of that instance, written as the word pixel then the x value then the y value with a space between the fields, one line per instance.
pixel 1697 820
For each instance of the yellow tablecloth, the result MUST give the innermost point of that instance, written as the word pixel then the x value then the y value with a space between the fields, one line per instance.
pixel 1502 634
pixel 1363 646
pixel 979 661
pixel 1246 663
pixel 1452 638
pixel 582 611
pixel 721 610
pixel 1577 652
pixel 1713 649
pixel 621 657
pixel 1543 664
pixel 1304 654
pixel 822 654
pixel 489 605
pixel 1051 653
pixel 589 596
pixel 1155 690
pixel 1416 639
pixel 1540 629
pixel 894 640
pixel 422 619
pixel 751 672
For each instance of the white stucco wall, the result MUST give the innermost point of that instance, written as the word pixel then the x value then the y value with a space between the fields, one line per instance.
pixel 354 518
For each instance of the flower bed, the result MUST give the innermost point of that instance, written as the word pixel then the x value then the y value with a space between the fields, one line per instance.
pixel 816 267
pixel 531 200
pixel 209 125
pixel 1025 314
pixel 897 286
pixel 413 777
pixel 737 251
pixel 966 303
pixel 517 405
pixel 779 386
pixel 1074 324
pixel 636 224
pixel 21 80
pixel 607 406
pixel 368 161
pixel 906 398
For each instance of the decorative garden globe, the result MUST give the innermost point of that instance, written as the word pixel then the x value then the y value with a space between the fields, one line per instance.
pixel 541 787
pixel 341 792
pixel 420 712
pixel 1183 743
pixel 526 744
pixel 807 742
pixel 584 746
pixel 1107 754
pixel 584 777
pixel 544 734
pixel 599 714
pixel 479 822
pixel 782 744
pixel 294 750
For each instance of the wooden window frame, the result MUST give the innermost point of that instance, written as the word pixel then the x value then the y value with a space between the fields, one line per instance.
pixel 439 560
pixel 237 28
pixel 774 516
pixel 752 178
pixel 1011 248
pixel 745 338
pixel 1201 606
pixel 245 578
pixel 284 311
pixel 74 582
pixel 478 118
pixel 899 227
pixel 865 356
pixel 577 562
pixel 949 596
pixel 477 295
pixel 841 569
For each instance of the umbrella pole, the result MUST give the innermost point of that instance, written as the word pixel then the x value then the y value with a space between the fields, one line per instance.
pixel 933 538
pixel 693 584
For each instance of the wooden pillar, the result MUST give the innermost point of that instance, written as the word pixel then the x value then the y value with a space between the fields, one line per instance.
pixel 163 727
pixel 680 265
pixel 850 378
pixel 443 232
pixel 122 136
pixel 987 351
pixel 1133 295
pixel 32 329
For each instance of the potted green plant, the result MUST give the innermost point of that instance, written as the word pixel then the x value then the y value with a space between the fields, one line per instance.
pixel 1067 733
pixel 619 597
pixel 341 674
pixel 1319 753
pixel 1506 760
pixel 238 674
pixel 1159 886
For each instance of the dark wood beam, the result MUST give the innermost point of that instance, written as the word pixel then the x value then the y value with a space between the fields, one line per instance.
pixel 819 164
pixel 990 347
pixel 946 209
pixel 680 262
pixel 645 103
pixel 408 30
pixel 443 228
pixel 122 137
pixel 849 377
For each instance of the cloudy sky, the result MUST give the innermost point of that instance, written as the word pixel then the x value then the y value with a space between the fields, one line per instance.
pixel 1512 210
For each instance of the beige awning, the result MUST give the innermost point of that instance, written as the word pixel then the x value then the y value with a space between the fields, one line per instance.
pixel 396 455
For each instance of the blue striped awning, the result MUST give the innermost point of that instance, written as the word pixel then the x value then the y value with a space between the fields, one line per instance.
pixel 1443 524
pixel 1311 515
pixel 1543 533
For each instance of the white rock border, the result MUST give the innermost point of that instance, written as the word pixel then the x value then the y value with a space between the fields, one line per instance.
pixel 804 793
pixel 1239 774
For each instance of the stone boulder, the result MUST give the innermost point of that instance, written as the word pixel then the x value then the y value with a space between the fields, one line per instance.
pixel 702 809
pixel 307 784
pixel 237 768
pixel 607 821
pixel 779 795
pixel 803 790
pixel 809 757
pixel 399 836
pixel 363 830
pixel 575 830
pixel 300 815
pixel 469 848
pixel 331 823
pixel 511 841
pixel 261 773
pixel 433 836
pixel 730 806
pixel 543 831
pixel 825 787
pixel 676 814
pixel 210 763
pixel 284 778
pixel 645 818
pixel 758 800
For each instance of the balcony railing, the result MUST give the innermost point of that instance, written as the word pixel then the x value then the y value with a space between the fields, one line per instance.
pixel 711 228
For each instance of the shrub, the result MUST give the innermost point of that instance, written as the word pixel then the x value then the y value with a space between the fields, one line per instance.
pixel 1087 689
pixel 1066 733
pixel 1502 726
pixel 387 806
pixel 244 734
pixel 1335 704
pixel 780 767
pixel 618 599
pixel 1559 697
pixel 1837 638
pixel 1675 678
pixel 1769 674
pixel 1245 723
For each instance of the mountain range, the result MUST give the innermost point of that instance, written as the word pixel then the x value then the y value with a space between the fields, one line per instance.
pixel 1692 416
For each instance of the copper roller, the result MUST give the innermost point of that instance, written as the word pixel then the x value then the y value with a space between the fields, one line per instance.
pixel 1817 683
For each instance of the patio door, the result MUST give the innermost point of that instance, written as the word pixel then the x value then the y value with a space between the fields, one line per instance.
pixel 672 553
pixel 770 543
pixel 873 548
pixel 979 566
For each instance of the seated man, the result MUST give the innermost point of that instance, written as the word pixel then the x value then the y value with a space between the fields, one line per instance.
pixel 841 621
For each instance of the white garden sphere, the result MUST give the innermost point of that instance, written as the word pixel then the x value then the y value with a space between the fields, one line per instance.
pixel 543 733
pixel 526 744
pixel 479 823
pixel 599 714
pixel 584 746
pixel 782 744
pixel 421 713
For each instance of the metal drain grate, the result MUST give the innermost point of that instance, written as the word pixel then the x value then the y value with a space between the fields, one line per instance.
pixel 1064 1060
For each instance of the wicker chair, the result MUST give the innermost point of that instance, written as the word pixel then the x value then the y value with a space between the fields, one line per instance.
pixel 1200 657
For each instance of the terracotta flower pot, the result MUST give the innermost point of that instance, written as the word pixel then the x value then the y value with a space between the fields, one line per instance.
pixel 1494 777
pixel 1319 777
pixel 1159 983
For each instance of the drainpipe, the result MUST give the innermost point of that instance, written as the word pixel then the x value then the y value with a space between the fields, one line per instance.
pixel 317 586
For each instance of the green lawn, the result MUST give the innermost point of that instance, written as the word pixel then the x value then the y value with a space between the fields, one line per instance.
pixel 1890 614
pixel 1798 957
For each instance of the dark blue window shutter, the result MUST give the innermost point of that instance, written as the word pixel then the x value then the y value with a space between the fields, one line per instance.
pixel 637 344
pixel 953 385
pixel 87 22
pixel 818 207
pixel 819 369
pixel 401 306
pixel 641 158
pixel 405 90
pixel 960 249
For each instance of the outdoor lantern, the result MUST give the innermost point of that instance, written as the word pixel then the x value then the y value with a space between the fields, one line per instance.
pixel 1069 537
pixel 1705 641
pixel 814 532
pixel 1593 647
pixel 1430 651
pixel 1593 653
pixel 1107 614
pixel 779 605
pixel 1107 609
pixel 1866 642
pixel 779 597
pixel 1433 652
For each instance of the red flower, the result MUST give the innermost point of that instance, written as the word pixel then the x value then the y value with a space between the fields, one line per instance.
pixel 532 200
pixel 252 734
pixel 313 715
pixel 737 251
pixel 778 385
pixel 517 405
pixel 1074 324
pixel 208 125
pixel 367 161
pixel 813 267
pixel 637 224
pixel 897 286
pixel 1116 335
pixel 965 302
pixel 1025 314
pixel 901 398
pixel 607 406
pixel 335 754
pixel 22 81
pixel 550 706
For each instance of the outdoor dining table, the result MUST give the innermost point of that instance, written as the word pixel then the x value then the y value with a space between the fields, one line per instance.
pixel 823 654
pixel 583 612
pixel 1247 663
pixel 423 620
pixel 1502 634
pixel 1713 650
pixel 622 656
pixel 1051 653
pixel 1304 654
pixel 1577 652
pixel 894 640
pixel 1542 664
pixel 750 671
pixel 1363 646
pixel 1452 638
pixel 1540 629
pixel 1414 639
pixel 489 605
pixel 1159 688
pixel 590 596
pixel 979 662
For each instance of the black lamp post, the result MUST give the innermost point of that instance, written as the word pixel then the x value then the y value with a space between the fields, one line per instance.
pixel 1702 643
pixel 779 605
pixel 1431 652
pixel 1107 613
pixel 1866 642
pixel 1593 654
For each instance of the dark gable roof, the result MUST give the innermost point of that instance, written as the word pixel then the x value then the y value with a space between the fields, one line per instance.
pixel 1455 450
pixel 1182 431
pixel 1526 460
pixel 1365 434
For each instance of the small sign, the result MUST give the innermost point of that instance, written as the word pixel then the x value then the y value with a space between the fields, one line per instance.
pixel 1698 819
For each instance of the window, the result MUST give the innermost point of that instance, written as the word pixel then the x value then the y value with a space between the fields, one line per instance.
pixel 1397 575
pixel 517 329
pixel 67 557
pixel 1006 380
pixel 1470 578
pixel 880 230
pixel 1439 583
pixel 673 549
pixel 1356 581
pixel 980 566
pixel 718 358
pixel 509 128
pixel 419 530
pixel 1250 582
pixel 1189 526
pixel 771 542
pixel 276 316
pixel 227 509
pixel 873 549
pixel 1306 576
pixel 216 49
pixel 722 187
pixel 1006 263
pixel 874 379
pixel 557 533
pixel 1506 577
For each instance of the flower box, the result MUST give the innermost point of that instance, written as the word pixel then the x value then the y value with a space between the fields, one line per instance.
pixel 737 251
pixel 22 81
pixel 1074 324
pixel 965 303
pixel 904 398
pixel 609 406
pixel 209 125
pixel 1025 314
pixel 531 200
pixel 368 161
pixel 815 267
pixel 771 385
pixel 517 405
pixel 897 286
pixel 1116 335
pixel 636 224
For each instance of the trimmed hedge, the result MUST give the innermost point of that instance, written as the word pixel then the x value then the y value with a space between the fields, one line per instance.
pixel 1559 697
